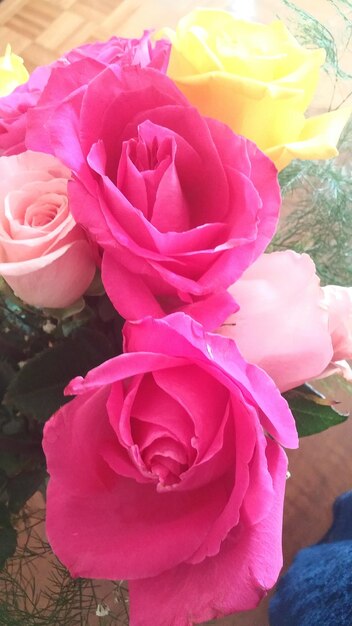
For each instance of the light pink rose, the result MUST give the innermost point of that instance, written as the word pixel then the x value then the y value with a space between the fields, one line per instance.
pixel 339 304
pixel 338 301
pixel 287 323
pixel 167 470
pixel 44 255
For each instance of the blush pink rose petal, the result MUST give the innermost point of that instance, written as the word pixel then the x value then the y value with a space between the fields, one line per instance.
pixel 338 301
pixel 45 256
pixel 15 109
pixel 167 470
pixel 287 323
pixel 179 203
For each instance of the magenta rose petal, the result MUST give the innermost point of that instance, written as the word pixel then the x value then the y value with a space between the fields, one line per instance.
pixel 91 550
pixel 119 104
pixel 251 480
pixel 203 398
pixel 71 504
pixel 235 580
pixel 260 493
pixel 91 473
pixel 135 300
pixel 216 307
pixel 162 409
pixel 120 367
pixel 65 84
pixel 132 297
pixel 245 156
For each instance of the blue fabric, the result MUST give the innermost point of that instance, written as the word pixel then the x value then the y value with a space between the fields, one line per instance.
pixel 317 589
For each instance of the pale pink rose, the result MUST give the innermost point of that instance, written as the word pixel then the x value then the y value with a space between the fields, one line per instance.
pixel 45 256
pixel 339 303
pixel 287 323
pixel 167 470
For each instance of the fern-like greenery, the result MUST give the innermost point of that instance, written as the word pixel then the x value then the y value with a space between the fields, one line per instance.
pixel 317 195
pixel 310 32
pixel 58 600
pixel 318 200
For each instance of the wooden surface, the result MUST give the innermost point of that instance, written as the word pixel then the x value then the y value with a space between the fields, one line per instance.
pixel 41 30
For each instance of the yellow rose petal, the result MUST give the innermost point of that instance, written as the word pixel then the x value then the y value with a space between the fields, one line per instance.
pixel 263 113
pixel 317 140
pixel 12 72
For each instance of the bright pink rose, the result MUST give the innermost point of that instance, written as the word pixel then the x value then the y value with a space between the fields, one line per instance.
pixel 14 108
pixel 166 470
pixel 288 324
pixel 180 204
pixel 44 256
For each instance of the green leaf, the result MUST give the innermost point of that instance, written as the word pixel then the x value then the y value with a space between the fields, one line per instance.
pixel 3 481
pixel 62 314
pixel 8 536
pixel 5 521
pixel 9 463
pixel 6 374
pixel 37 389
pixel 22 487
pixel 8 544
pixel 313 413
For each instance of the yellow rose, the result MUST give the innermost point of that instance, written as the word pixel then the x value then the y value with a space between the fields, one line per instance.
pixel 12 72
pixel 257 79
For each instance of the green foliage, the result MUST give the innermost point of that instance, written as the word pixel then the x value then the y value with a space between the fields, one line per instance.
pixel 310 31
pixel 37 389
pixel 8 536
pixel 313 413
pixel 318 194
pixel 6 374
pixel 22 487
pixel 40 352
pixel 321 222
pixel 54 599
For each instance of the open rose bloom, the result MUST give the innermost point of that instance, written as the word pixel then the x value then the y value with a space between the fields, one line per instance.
pixel 45 256
pixel 173 474
pixel 178 203
pixel 257 79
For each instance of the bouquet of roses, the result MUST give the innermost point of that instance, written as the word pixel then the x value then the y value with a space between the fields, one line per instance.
pixel 139 191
